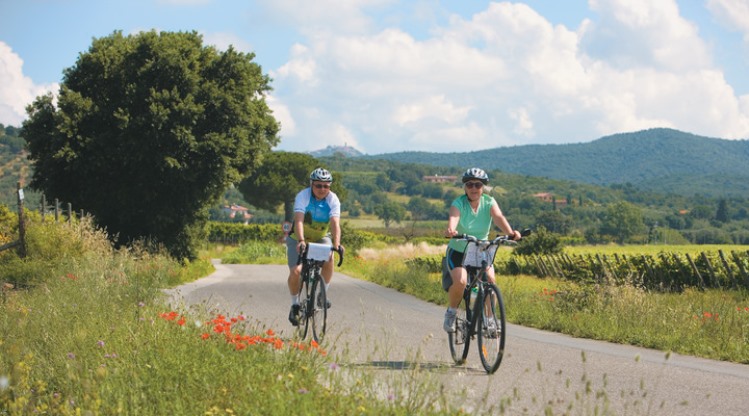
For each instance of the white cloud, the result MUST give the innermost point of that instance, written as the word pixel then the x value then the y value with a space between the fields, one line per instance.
pixel 17 90
pixel 222 41
pixel 301 68
pixel 523 122
pixel 516 79
pixel 733 13
pixel 282 115
pixel 644 33
pixel 435 107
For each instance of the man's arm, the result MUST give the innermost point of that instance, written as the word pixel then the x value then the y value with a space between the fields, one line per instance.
pixel 335 230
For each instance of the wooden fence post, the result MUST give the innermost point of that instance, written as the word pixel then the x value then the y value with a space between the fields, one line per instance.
pixel 21 224
pixel 612 270
pixel 43 206
pixel 696 272
pixel 728 268
pixel 710 270
pixel 542 266
pixel 604 269
pixel 739 263
pixel 649 270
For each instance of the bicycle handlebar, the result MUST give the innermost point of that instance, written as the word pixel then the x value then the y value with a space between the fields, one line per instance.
pixel 338 250
pixel 500 239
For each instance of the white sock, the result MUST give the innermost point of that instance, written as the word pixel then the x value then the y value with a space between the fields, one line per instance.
pixel 327 287
pixel 295 299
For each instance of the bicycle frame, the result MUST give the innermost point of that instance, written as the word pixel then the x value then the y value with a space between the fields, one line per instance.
pixel 477 278
pixel 485 318
pixel 312 289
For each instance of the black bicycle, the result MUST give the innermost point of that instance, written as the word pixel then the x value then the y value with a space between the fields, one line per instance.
pixel 313 301
pixel 482 310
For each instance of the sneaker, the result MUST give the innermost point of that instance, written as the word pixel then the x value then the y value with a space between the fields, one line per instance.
pixel 327 303
pixel 491 328
pixel 294 315
pixel 449 324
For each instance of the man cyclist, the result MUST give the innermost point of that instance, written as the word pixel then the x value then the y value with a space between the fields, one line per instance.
pixel 472 214
pixel 317 214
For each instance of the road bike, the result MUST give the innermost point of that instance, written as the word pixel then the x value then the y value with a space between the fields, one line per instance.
pixel 313 300
pixel 481 313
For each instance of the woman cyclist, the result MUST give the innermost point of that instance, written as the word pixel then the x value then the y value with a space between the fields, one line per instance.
pixel 471 214
pixel 317 213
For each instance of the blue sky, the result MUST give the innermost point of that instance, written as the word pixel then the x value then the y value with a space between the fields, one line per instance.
pixel 387 76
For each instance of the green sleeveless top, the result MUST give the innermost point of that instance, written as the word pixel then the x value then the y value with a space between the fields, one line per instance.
pixel 477 224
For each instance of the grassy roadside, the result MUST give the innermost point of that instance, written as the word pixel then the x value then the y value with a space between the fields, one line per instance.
pixel 84 329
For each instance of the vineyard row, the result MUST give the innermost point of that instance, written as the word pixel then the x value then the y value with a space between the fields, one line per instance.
pixel 662 272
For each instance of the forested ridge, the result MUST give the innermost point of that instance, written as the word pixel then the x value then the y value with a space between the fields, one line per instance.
pixel 625 211
pixel 660 160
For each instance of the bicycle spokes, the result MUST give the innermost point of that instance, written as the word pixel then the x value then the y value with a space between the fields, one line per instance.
pixel 319 310
pixel 491 329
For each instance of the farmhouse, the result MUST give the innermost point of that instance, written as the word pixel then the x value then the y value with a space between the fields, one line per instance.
pixel 439 179
pixel 547 197
pixel 233 210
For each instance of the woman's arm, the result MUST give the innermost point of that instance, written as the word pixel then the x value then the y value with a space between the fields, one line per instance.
pixel 452 222
pixel 500 221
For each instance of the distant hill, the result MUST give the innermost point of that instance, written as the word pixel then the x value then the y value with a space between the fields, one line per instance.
pixel 661 160
pixel 347 151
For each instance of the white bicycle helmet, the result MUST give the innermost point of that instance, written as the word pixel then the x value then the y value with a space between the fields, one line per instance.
pixel 321 175
pixel 477 174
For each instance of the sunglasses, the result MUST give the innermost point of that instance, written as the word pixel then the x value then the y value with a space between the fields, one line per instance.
pixel 477 185
pixel 321 186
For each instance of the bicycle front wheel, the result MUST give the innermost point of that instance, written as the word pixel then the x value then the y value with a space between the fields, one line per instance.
pixel 491 329
pixel 305 294
pixel 319 307
pixel 460 338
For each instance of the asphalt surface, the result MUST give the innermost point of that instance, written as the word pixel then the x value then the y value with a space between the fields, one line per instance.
pixel 375 328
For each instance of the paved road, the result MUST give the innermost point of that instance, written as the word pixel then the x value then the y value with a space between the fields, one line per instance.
pixel 388 331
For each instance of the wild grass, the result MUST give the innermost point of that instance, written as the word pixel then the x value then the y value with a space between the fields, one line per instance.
pixel 255 252
pixel 711 324
pixel 89 332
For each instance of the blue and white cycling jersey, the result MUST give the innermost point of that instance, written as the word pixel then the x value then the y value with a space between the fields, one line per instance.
pixel 317 213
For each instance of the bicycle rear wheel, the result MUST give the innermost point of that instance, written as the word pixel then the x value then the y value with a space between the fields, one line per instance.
pixel 492 331
pixel 318 304
pixel 460 339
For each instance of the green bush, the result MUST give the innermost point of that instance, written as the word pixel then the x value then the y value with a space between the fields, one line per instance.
pixel 49 244
pixel 233 233
pixel 541 241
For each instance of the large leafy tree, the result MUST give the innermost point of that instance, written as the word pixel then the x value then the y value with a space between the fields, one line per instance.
pixel 281 176
pixel 390 212
pixel 622 221
pixel 148 131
